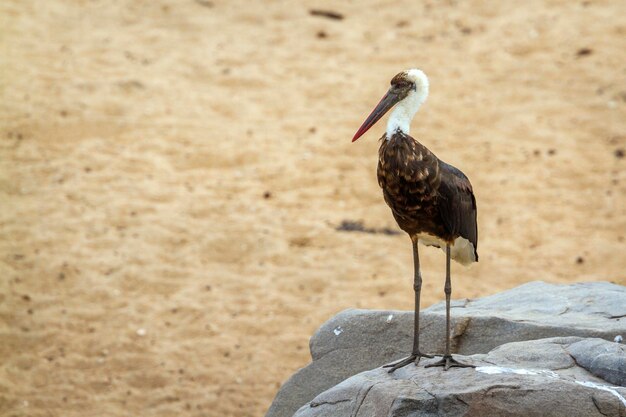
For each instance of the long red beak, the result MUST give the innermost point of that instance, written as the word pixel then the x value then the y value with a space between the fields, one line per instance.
pixel 388 101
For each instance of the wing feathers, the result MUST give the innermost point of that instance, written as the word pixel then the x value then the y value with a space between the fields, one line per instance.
pixel 457 204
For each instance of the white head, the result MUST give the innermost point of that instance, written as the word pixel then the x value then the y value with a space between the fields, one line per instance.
pixel 408 91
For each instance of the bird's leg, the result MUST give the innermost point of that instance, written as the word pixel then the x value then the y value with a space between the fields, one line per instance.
pixel 417 288
pixel 448 361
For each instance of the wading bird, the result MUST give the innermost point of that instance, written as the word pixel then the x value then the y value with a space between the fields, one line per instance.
pixel 431 201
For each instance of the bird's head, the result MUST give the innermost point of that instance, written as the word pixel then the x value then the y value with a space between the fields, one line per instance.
pixel 409 88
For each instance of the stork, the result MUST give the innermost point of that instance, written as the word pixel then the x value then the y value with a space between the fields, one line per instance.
pixel 431 201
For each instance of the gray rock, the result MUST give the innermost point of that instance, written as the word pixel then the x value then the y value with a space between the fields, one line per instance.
pixel 605 360
pixel 351 342
pixel 533 378
pixel 357 340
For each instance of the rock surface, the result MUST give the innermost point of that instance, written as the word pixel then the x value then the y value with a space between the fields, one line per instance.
pixel 359 340
pixel 531 378
pixel 604 360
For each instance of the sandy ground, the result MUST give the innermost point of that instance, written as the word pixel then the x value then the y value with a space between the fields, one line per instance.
pixel 173 174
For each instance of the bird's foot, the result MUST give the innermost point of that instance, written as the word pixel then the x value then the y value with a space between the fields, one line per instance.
pixel 413 358
pixel 449 362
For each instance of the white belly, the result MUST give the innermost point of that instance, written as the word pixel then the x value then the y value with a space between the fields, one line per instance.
pixel 461 251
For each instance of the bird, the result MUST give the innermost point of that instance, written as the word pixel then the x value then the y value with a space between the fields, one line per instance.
pixel 432 201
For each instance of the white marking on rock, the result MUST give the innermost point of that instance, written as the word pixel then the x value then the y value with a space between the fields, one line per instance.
pixel 618 339
pixel 606 388
pixel 141 332
pixel 389 318
pixel 337 330
pixel 492 370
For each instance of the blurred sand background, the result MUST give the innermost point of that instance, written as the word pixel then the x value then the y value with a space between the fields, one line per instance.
pixel 173 174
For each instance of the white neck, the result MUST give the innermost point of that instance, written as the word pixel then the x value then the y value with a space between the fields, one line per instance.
pixel 405 110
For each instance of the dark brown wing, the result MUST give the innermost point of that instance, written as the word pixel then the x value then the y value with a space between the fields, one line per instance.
pixel 457 204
